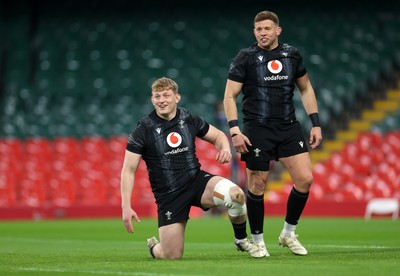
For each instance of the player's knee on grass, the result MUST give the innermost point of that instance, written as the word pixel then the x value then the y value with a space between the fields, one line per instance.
pixel 228 194
pixel 172 253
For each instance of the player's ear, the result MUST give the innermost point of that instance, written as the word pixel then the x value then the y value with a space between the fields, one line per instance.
pixel 178 98
pixel 278 30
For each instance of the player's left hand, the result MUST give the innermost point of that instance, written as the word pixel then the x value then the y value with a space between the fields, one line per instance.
pixel 315 137
pixel 224 156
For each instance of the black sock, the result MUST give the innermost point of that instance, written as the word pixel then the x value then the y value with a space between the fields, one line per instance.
pixel 255 212
pixel 240 230
pixel 151 251
pixel 295 206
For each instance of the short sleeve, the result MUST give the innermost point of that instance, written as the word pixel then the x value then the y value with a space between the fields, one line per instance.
pixel 136 140
pixel 237 70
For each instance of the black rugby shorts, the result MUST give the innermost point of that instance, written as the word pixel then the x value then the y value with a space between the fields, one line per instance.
pixel 272 141
pixel 176 206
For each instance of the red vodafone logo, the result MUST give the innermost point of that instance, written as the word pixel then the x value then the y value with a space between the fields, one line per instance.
pixel 275 66
pixel 174 139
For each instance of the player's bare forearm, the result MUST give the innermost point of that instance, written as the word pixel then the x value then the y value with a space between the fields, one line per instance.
pixel 232 89
pixel 218 138
pixel 230 108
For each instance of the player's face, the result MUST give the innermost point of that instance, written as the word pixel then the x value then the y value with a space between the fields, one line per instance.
pixel 165 103
pixel 266 33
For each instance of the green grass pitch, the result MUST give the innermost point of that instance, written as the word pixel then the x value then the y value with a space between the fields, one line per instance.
pixel 337 246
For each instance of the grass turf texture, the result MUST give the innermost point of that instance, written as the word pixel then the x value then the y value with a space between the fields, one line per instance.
pixel 102 247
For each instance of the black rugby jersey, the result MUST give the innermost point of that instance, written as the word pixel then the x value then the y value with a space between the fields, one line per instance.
pixel 168 148
pixel 268 79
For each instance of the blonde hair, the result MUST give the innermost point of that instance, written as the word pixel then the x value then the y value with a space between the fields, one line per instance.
pixel 164 83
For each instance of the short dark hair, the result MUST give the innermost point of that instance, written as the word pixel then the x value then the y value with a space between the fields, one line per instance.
pixel 267 15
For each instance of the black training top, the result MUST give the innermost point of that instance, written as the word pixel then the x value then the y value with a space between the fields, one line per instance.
pixel 268 79
pixel 168 148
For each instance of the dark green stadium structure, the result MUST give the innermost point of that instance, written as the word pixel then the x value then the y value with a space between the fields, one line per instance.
pixel 77 69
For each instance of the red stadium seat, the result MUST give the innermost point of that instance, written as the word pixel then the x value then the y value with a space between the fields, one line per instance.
pixel 115 166
pixel 276 196
pixel 62 189
pixel 335 162
pixel 317 192
pixel 95 147
pixel 11 165
pixel 320 171
pixel 347 172
pixel 38 147
pixel 7 189
pixel 11 148
pixel 353 190
pixel 32 191
pixel 393 138
pixel 117 146
pixel 202 145
pixel 368 140
pixel 114 190
pixel 67 146
pixel 92 189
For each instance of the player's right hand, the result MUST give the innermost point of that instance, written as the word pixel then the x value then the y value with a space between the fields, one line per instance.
pixel 240 142
pixel 127 215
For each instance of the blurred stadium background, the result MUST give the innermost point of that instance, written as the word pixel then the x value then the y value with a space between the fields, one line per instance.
pixel 75 77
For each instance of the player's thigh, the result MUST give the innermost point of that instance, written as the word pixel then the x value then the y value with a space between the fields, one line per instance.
pixel 172 238
pixel 299 168
pixel 207 197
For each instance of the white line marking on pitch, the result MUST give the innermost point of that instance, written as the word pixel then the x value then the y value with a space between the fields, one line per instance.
pixel 306 245
pixel 350 246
